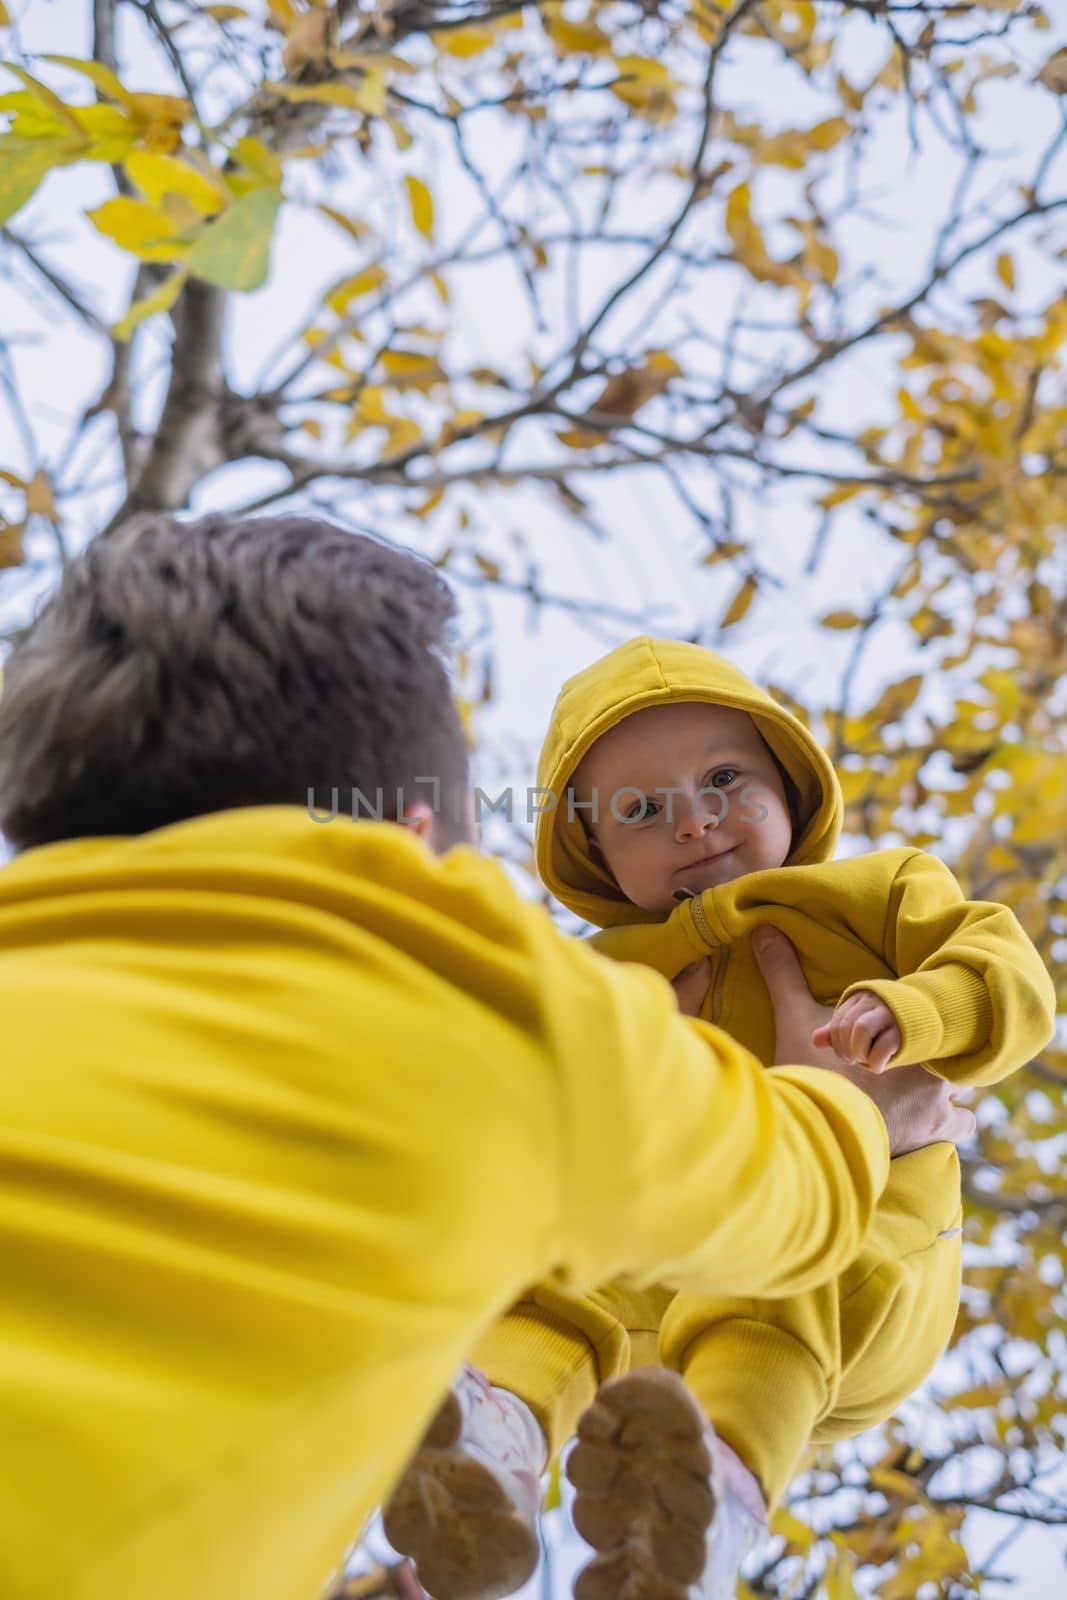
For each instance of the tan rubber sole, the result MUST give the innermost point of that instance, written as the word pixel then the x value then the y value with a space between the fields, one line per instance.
pixel 644 1502
pixel 453 1519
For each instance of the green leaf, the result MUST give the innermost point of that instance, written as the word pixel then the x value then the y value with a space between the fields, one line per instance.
pixel 23 164
pixel 234 252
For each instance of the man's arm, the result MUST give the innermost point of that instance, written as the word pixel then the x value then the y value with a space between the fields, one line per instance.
pixel 682 1158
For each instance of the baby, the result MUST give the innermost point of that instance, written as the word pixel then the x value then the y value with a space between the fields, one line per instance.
pixel 691 809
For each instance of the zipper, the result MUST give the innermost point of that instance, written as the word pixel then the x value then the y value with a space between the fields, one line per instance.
pixel 718 982
pixel 718 954
pixel 701 923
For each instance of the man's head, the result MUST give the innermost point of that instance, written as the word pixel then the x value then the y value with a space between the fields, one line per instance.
pixel 189 667
pixel 688 796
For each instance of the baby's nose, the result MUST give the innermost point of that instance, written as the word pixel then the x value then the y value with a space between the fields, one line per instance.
pixel 694 819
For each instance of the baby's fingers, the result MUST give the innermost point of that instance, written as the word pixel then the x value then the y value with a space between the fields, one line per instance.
pixel 884 1049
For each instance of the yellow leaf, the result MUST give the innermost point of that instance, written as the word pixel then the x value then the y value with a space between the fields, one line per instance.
pixel 432 501
pixel 740 603
pixel 628 391
pixel 402 435
pixel 408 369
pixel 11 551
pixel 305 39
pixel 254 154
pixel 579 38
pixel 158 176
pixel 910 406
pixel 1054 73
pixel 146 233
pixel 986 1394
pixel 62 113
pixel 743 230
pixel 441 286
pixel 895 1484
pixel 841 619
pixel 783 150
pixel 354 226
pixel 891 76
pixel 786 1526
pixel 371 406
pixel 838 1579
pixel 403 137
pixel 839 495
pixel 161 300
pixel 421 202
pixel 826 134
pixel 160 117
pixel 5 16
pixel 234 251
pixel 111 132
pixel 104 79
pixel 579 438
pixel 892 704
pixel 1005 269
pixel 349 289
pixel 722 552
pixel 851 97
pixel 40 501
pixel 646 85
pixel 470 41
pixel 368 96
pixel 460 424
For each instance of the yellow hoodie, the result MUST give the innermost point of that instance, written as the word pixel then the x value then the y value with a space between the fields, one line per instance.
pixel 969 992
pixel 288 1114
pixel 972 1000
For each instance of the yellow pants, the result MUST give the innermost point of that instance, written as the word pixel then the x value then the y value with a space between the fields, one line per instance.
pixel 773 1376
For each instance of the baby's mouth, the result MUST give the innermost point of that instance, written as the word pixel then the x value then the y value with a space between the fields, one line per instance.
pixel 705 873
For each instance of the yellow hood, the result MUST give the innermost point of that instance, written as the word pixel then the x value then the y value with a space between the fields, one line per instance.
pixel 648 672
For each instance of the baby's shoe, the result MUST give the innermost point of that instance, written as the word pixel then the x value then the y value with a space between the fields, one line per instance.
pixel 465 1510
pixel 669 1508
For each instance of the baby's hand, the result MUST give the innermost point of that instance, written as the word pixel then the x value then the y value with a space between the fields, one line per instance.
pixel 862 1028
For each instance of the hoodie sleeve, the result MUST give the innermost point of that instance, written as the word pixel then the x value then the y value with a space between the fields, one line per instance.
pixel 972 998
pixel 686 1162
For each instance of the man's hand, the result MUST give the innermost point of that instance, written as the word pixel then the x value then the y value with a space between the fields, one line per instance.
pixel 798 1016
pixel 916 1105
pixel 862 1028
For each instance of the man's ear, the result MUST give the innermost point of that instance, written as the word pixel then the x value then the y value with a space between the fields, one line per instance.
pixel 419 818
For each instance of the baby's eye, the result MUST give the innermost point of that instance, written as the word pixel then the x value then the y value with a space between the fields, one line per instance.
pixel 726 775
pixel 642 810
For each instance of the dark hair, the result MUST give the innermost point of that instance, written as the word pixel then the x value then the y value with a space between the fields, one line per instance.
pixel 792 795
pixel 189 667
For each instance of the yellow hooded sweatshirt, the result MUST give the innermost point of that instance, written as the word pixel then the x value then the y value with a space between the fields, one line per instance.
pixel 288 1114
pixel 972 1000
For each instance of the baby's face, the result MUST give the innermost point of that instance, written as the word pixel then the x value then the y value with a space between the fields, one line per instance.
pixel 687 797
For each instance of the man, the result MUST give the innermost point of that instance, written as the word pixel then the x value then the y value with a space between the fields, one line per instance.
pixel 290 1111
